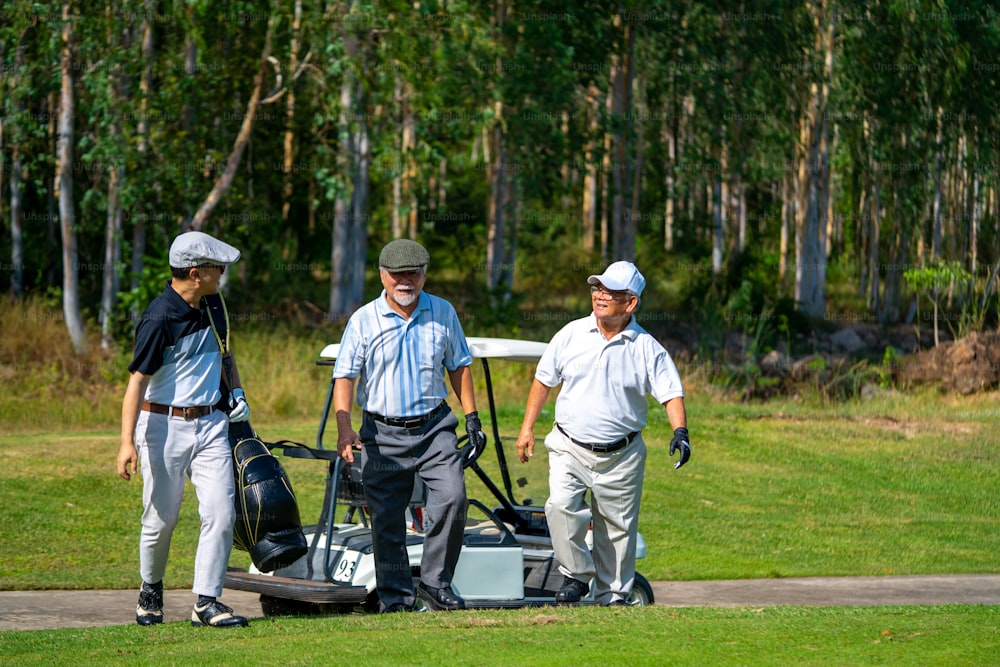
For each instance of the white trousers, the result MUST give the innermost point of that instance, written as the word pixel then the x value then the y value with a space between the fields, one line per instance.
pixel 170 449
pixel 615 484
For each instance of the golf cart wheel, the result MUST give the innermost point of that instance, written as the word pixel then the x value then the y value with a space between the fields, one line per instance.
pixel 642 592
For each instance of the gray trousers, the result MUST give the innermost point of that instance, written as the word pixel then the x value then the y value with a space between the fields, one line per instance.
pixel 393 458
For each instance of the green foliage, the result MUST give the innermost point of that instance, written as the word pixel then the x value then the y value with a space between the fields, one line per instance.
pixel 940 277
pixel 718 95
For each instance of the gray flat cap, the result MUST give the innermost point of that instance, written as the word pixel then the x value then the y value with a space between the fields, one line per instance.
pixel 197 249
pixel 403 255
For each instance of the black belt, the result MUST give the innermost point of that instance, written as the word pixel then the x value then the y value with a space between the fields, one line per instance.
pixel 408 422
pixel 601 447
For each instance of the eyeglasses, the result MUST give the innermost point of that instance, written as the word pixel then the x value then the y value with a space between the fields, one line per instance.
pixel 220 267
pixel 620 296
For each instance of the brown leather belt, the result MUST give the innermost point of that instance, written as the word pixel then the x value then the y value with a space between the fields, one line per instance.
pixel 601 447
pixel 185 413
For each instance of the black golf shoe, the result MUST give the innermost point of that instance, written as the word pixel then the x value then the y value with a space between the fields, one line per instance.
pixel 216 615
pixel 149 611
pixel 572 590
pixel 443 599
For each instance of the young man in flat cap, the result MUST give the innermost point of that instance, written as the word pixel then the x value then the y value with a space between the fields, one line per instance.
pixel 398 349
pixel 606 364
pixel 173 424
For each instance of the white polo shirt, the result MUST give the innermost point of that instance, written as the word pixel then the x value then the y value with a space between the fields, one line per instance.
pixel 605 382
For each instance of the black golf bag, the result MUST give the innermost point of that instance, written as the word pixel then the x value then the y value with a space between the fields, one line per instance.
pixel 267 516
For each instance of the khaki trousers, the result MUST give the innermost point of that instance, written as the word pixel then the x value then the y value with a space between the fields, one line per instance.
pixel 615 483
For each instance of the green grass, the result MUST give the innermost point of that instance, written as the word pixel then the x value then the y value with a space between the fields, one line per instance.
pixel 937 635
pixel 902 486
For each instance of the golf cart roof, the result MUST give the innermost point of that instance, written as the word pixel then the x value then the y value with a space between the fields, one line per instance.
pixel 511 349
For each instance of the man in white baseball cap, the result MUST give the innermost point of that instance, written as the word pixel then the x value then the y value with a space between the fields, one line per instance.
pixel 621 277
pixel 606 364
pixel 175 425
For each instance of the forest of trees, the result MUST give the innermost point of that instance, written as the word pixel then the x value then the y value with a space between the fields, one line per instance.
pixel 801 132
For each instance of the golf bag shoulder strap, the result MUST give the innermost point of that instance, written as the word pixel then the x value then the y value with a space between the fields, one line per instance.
pixel 297 450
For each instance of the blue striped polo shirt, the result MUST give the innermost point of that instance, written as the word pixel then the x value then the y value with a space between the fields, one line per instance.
pixel 175 344
pixel 399 362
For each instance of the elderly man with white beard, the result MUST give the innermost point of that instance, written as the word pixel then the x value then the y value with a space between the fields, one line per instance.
pixel 397 349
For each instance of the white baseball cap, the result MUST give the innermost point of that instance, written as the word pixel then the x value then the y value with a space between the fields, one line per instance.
pixel 621 276
pixel 192 249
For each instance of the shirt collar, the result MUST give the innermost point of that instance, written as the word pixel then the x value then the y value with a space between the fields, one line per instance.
pixel 630 331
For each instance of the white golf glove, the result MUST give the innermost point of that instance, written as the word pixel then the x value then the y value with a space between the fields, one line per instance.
pixel 240 411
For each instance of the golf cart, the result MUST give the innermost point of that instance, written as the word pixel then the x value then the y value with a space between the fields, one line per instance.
pixel 504 537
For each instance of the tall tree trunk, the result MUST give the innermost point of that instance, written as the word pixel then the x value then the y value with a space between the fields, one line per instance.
pixel 497 228
pixel 353 161
pixel 16 193
pixel 590 174
pixel 787 215
pixel 112 254
pixel 142 131
pixel 64 185
pixel 293 66
pixel 225 179
pixel 874 241
pixel 52 258
pixel 404 198
pixel 400 173
pixel 16 223
pixel 621 95
pixel 810 282
pixel 359 206
pixel 740 210
pixel 509 260
pixel 687 135
pixel 893 275
pixel 718 215
pixel 340 258
pixel 974 223
pixel 936 211
pixel 669 135
pixel 631 174
pixel 605 176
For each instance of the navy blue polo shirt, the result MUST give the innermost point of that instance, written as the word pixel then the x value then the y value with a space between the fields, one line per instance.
pixel 176 345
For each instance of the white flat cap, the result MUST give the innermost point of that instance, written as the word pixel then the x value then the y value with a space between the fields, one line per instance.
pixel 197 249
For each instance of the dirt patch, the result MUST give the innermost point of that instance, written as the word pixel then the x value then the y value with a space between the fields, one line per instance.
pixel 966 366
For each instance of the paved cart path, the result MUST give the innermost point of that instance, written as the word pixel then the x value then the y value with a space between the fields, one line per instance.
pixel 44 610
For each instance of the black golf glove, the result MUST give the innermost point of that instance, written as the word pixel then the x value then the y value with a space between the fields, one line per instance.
pixel 680 441
pixel 477 439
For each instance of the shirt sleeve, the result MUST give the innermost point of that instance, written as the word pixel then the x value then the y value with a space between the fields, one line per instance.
pixel 548 371
pixel 665 381
pixel 457 352
pixel 351 357
pixel 150 342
